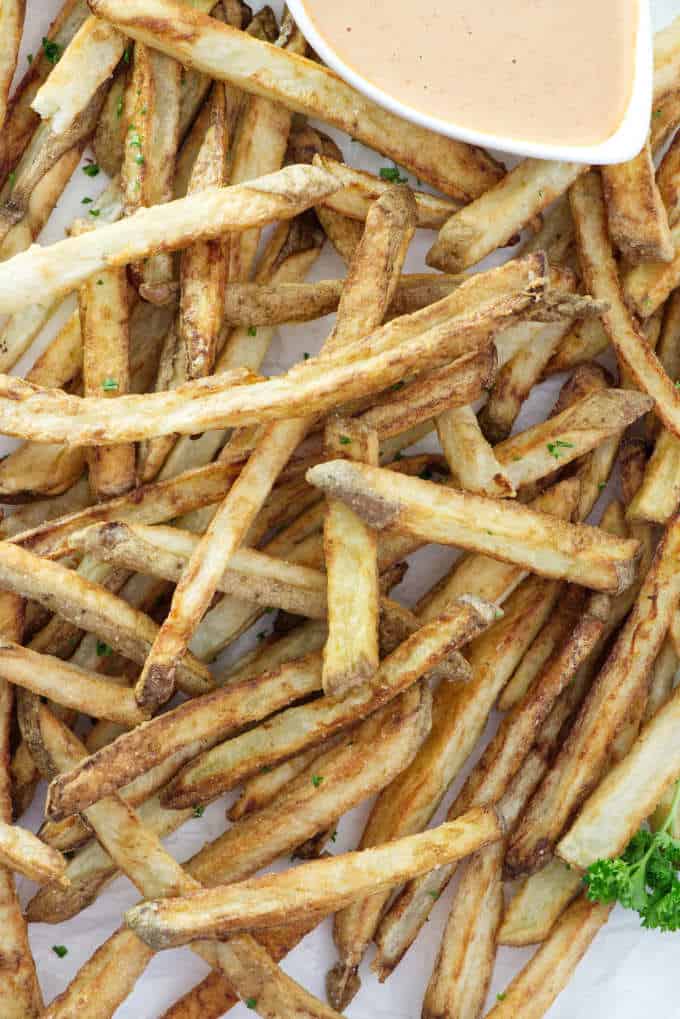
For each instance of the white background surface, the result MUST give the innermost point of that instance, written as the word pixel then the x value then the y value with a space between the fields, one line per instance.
pixel 626 973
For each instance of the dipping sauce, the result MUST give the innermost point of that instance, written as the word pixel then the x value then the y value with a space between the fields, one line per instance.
pixel 549 71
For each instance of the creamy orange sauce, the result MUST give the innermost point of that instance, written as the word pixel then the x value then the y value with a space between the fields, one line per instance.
pixel 550 71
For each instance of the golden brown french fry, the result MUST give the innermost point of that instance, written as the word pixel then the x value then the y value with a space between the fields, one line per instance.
pixel 140 855
pixel 540 449
pixel 351 653
pixel 12 16
pixel 49 677
pixel 556 234
pixel 601 277
pixel 359 189
pixel 203 266
pixel 361 310
pixel 21 121
pixel 92 607
pixel 534 989
pixel 34 514
pixel 60 267
pixel 344 233
pixel 585 341
pixel 501 212
pixel 538 903
pixel 321 886
pixel 298 728
pixel 646 287
pixel 89 59
pixel 437 335
pixel 638 224
pixel 472 460
pixel 208 719
pixel 666 60
pixel 629 792
pixel 622 676
pixel 250 575
pixel 22 852
pixel 302 86
pixel 668 181
pixel 510 532
pixel 104 325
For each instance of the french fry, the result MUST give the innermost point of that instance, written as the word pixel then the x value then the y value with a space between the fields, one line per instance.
pixel 601 278
pixel 535 988
pixel 583 426
pixel 605 710
pixel 471 459
pixel 351 653
pixel 661 682
pixel 89 59
pixel 629 792
pixel 11 27
pixel 91 607
pixel 666 60
pixel 49 677
pixel 361 310
pixel 556 234
pixel 298 728
pixel 104 314
pixel 22 852
pixel 207 720
pixel 638 224
pixel 344 233
pixel 250 575
pixel 21 121
pixel 60 267
pixel 34 514
pixel 317 884
pixel 359 189
pixel 141 856
pixel 569 551
pixel 538 903
pixel 304 87
pixel 668 181
pixel 501 212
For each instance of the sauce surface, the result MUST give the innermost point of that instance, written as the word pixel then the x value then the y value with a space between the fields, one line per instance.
pixel 550 71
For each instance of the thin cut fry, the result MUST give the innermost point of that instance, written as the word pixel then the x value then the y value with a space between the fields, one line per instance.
pixel 668 180
pixel 88 60
pixel 638 224
pixel 320 886
pixel 60 267
pixel 303 86
pixel 11 26
pixel 501 212
pixel 601 277
pixel 471 459
pixel 510 532
pixel 628 793
pixel 21 851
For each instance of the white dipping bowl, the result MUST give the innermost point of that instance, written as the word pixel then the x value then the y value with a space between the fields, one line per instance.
pixel 625 143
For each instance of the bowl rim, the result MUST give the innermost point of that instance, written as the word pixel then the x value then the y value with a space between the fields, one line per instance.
pixel 625 143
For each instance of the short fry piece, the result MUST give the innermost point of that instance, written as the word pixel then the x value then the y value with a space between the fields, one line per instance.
pixel 472 461
pixel 320 886
pixel 637 219
pixel 12 13
pixel 538 903
pixel 501 212
pixel 510 532
pixel 22 852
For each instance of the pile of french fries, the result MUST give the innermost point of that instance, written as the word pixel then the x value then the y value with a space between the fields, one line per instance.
pixel 165 495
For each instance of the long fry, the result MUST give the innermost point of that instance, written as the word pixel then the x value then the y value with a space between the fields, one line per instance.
pixel 304 87
pixel 11 26
pixel 637 219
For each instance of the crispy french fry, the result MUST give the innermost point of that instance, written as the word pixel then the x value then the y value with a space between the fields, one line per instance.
pixel 668 181
pixel 638 224
pixel 629 792
pixel 601 278
pixel 140 855
pixel 60 267
pixel 534 989
pixel 104 314
pixel 344 233
pixel 302 86
pixel 88 60
pixel 11 26
pixel 259 901
pixel 298 728
pixel 501 212
pixel 622 676
pixel 538 903
pixel 666 60
pixel 556 235
pixel 361 310
pixel 472 460
pixel 359 189
pixel 22 852
pixel 350 655
pixel 34 514
pixel 385 499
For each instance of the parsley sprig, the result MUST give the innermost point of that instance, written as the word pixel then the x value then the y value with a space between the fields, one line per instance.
pixel 644 877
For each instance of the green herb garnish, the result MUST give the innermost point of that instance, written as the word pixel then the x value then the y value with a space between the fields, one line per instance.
pixel 52 50
pixel 555 447
pixel 60 950
pixel 345 440
pixel 95 212
pixel 317 780
pixel 91 169
pixel 393 175
pixel 103 649
pixel 199 811
pixel 252 330
pixel 110 385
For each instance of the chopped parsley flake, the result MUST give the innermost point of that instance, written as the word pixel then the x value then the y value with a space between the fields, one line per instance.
pixel 95 212
pixel 500 996
pixel 29 57
pixel 52 50
pixel 103 649
pixel 86 201
pixel 60 950
pixel 317 780
pixel 345 440
pixel 91 169
pixel 119 106
pixel 199 811
pixel 555 447
pixel 250 1002
pixel 127 54
pixel 110 385
pixel 393 175
pixel 252 330
pixel 11 177
pixel 434 895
